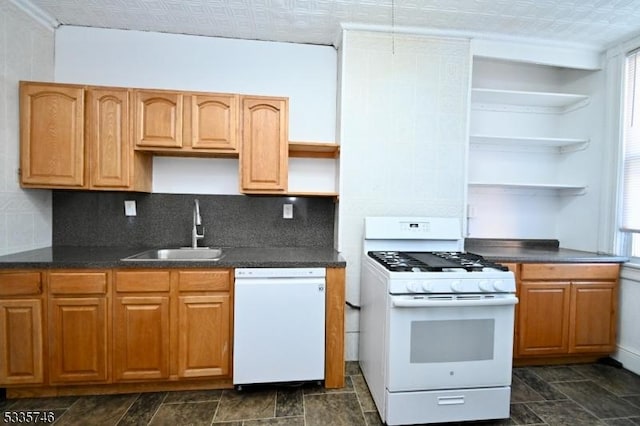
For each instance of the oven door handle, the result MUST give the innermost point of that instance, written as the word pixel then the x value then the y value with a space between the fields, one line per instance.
pixel 430 303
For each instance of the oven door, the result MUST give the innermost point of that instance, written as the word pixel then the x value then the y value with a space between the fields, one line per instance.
pixel 450 342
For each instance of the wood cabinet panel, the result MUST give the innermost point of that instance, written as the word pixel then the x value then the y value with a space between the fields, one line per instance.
pixel 142 281
pixel 213 280
pixel 141 337
pixel 108 140
pixel 158 119
pixel 543 318
pixel 264 154
pixel 594 316
pixel 20 283
pixel 570 271
pixel 78 339
pixel 21 345
pixel 61 283
pixel 214 122
pixel 204 342
pixel 52 135
pixel 334 328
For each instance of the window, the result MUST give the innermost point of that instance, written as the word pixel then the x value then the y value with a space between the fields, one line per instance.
pixel 630 224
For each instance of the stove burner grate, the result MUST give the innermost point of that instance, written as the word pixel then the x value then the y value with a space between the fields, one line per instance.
pixel 433 261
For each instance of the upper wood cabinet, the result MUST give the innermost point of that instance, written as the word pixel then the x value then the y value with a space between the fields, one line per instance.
pixel 79 137
pixel 103 138
pixel 52 135
pixel 113 163
pixel 158 119
pixel 264 153
pixel 214 122
pixel 184 123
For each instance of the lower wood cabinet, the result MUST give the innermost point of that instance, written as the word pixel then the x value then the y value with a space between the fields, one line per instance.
pixel 21 328
pixel 191 308
pixel 141 341
pixel 141 325
pixel 130 329
pixel 566 309
pixel 78 326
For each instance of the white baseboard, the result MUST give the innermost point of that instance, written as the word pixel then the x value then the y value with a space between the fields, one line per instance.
pixel 630 360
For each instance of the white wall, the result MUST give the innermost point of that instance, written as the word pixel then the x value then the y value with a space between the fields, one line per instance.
pixel 629 317
pixel 26 53
pixel 304 73
pixel 403 137
pixel 629 295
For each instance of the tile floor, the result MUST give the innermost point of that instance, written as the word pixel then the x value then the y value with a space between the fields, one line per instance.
pixel 592 394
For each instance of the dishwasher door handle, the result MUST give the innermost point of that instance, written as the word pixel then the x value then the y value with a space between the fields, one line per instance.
pixel 279 281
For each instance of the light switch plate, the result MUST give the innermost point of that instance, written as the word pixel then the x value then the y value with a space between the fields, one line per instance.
pixel 287 211
pixel 130 208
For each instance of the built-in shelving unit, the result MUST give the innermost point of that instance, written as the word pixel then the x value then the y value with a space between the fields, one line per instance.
pixel 531 130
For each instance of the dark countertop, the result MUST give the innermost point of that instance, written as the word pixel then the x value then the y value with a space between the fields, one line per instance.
pixel 110 257
pixel 534 251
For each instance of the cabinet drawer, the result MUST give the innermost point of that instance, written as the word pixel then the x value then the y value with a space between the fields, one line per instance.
pixel 204 280
pixel 570 271
pixel 78 282
pixel 143 281
pixel 20 283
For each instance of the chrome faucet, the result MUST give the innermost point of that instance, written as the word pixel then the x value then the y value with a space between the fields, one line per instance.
pixel 197 221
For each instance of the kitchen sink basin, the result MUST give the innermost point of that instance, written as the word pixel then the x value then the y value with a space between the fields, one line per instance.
pixel 178 254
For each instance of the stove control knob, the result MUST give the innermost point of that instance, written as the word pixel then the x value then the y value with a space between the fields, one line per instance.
pixel 500 285
pixel 414 287
pixel 456 286
pixel 485 286
pixel 427 287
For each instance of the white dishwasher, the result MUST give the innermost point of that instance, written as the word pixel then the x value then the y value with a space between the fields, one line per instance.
pixel 279 325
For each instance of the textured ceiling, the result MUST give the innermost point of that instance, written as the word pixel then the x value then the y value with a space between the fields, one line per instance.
pixel 595 23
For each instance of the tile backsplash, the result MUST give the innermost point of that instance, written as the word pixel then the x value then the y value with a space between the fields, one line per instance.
pixel 83 218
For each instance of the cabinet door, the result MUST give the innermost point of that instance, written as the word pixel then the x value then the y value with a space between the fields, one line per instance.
pixel 158 121
pixel 205 335
pixel 593 317
pixel 141 337
pixel 78 339
pixel 543 318
pixel 21 356
pixel 264 154
pixel 108 142
pixel 51 135
pixel 214 122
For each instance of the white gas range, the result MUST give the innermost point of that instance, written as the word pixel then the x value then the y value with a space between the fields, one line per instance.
pixel 436 324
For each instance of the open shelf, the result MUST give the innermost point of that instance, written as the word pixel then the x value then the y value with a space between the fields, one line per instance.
pixel 333 195
pixel 516 100
pixel 299 149
pixel 523 142
pixel 566 189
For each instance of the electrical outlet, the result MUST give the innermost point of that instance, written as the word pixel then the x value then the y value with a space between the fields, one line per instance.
pixel 287 211
pixel 130 208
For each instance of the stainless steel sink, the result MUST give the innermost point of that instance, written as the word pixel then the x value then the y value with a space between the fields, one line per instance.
pixel 179 254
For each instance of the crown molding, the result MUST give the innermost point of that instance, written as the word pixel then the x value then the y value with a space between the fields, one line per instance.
pixel 36 13
pixel 471 35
